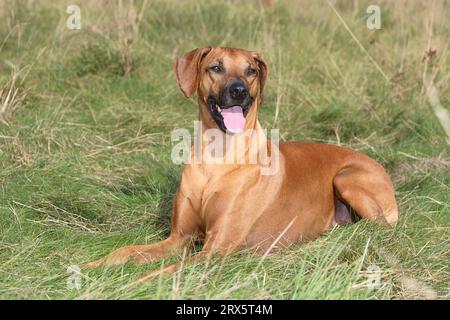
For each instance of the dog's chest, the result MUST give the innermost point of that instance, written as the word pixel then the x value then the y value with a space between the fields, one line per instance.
pixel 237 193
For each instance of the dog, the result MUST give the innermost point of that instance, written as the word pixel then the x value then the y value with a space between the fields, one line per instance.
pixel 233 206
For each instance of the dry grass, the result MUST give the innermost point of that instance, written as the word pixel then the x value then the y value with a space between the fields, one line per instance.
pixel 12 92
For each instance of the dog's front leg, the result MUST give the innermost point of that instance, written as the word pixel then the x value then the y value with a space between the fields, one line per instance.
pixel 140 253
pixel 185 227
pixel 219 240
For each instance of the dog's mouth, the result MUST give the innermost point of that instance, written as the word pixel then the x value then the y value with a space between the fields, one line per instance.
pixel 230 119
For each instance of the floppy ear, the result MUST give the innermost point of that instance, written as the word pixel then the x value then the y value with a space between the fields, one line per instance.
pixel 263 72
pixel 186 70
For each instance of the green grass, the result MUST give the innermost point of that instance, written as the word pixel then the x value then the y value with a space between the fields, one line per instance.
pixel 85 156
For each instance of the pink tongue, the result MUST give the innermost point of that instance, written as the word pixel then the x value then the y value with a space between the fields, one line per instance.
pixel 234 119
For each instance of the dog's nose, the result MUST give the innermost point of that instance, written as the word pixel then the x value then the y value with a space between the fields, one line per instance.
pixel 238 91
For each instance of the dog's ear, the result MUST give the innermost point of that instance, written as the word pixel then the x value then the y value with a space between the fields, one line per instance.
pixel 186 69
pixel 263 72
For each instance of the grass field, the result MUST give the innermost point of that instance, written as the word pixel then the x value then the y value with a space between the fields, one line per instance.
pixel 85 122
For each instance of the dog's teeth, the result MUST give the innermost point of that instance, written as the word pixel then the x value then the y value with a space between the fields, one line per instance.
pixel 219 109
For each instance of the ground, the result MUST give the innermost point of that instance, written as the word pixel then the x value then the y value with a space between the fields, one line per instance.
pixel 85 123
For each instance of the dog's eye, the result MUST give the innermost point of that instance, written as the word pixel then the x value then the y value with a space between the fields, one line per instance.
pixel 251 72
pixel 216 69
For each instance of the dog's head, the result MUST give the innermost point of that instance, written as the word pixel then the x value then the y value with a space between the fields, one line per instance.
pixel 226 81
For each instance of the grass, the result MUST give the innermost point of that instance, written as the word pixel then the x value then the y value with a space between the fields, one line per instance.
pixel 85 142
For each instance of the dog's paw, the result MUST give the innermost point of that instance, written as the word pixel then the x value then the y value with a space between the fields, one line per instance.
pixel 93 264
pixel 117 257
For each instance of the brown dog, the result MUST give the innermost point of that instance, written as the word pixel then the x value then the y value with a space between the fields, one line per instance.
pixel 235 205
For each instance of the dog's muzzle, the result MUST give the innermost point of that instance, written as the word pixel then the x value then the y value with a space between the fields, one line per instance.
pixel 230 110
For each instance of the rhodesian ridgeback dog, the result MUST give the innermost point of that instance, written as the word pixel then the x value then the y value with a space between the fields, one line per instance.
pixel 232 206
